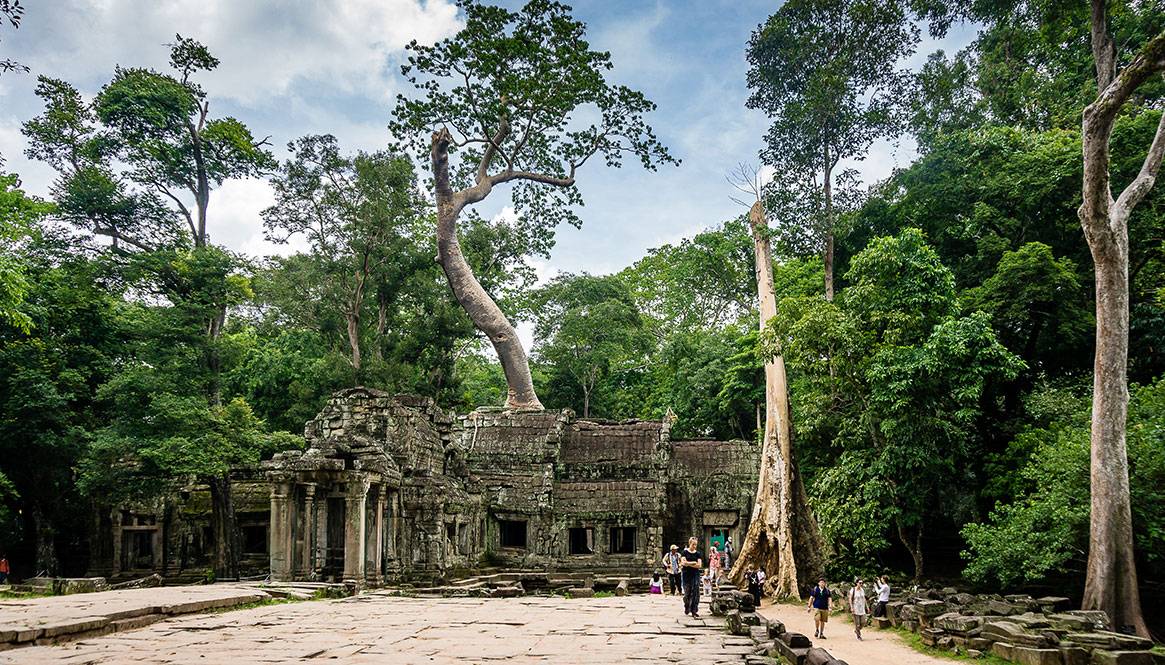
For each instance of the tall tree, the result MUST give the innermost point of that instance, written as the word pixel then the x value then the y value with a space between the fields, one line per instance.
pixel 1111 581
pixel 825 71
pixel 501 99
pixel 589 328
pixel 358 213
pixel 782 535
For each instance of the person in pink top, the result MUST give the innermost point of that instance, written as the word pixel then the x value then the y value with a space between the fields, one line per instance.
pixel 714 566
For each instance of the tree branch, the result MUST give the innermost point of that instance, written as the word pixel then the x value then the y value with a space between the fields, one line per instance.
pixel 1141 185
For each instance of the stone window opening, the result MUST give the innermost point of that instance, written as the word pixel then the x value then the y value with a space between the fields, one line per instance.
pixel 581 541
pixel 254 538
pixel 512 533
pixel 622 540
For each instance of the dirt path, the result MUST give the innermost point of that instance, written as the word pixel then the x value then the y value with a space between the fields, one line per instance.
pixel 878 647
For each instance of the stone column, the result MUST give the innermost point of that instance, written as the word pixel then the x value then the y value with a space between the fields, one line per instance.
pixel 280 531
pixel 307 528
pixel 394 525
pixel 354 529
pixel 320 524
pixel 377 540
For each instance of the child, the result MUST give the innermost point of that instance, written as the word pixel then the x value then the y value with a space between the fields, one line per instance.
pixel 656 583
pixel 706 582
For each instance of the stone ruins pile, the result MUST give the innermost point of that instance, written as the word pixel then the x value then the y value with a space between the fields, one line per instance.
pixel 771 638
pixel 1018 628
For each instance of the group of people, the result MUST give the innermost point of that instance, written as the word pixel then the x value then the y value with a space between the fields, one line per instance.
pixel 686 574
pixel 821 603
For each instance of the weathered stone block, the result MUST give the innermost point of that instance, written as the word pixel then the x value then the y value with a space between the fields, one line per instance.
pixel 1033 656
pixel 796 640
pixel 1002 650
pixel 974 653
pixel 930 608
pixel 621 589
pixel 817 656
pixel 795 655
pixel 1103 639
pixel 980 643
pixel 893 607
pixel 775 628
pixel 750 618
pixel 1071 622
pixel 1074 655
pixel 1099 618
pixel 930 636
pixel 999 608
pixel 1054 603
pixel 581 592
pixel 1002 631
pixel 1105 657
pixel 881 622
pixel 956 623
pixel 735 625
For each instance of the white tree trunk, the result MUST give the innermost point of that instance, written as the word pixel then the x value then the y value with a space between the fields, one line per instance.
pixel 780 510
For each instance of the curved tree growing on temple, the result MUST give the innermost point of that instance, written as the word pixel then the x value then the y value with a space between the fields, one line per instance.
pixel 520 98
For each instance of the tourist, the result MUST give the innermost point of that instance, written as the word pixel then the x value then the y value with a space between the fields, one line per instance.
pixel 882 587
pixel 728 554
pixel 714 565
pixel 656 583
pixel 753 585
pixel 4 569
pixel 857 607
pixel 820 602
pixel 692 564
pixel 671 561
pixel 760 582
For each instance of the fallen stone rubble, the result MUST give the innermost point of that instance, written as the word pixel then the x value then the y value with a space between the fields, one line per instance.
pixel 1018 628
pixel 771 638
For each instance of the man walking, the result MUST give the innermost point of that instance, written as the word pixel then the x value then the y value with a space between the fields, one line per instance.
pixel 820 602
pixel 671 563
pixel 692 562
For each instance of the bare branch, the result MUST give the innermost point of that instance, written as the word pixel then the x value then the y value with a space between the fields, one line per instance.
pixel 1141 185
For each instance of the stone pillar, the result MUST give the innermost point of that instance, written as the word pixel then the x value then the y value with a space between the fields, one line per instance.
pixel 280 530
pixel 354 530
pixel 394 526
pixel 320 524
pixel 376 537
pixel 306 526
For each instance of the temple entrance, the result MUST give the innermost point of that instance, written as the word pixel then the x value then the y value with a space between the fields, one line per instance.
pixel 334 548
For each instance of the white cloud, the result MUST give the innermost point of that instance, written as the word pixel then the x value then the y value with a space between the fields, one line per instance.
pixel 266 48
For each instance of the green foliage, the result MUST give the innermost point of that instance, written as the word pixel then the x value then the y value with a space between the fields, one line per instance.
pixel 588 329
pixel 890 382
pixel 532 73
pixel 1041 531
pixel 20 214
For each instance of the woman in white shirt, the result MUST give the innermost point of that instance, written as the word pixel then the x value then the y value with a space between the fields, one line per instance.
pixel 882 587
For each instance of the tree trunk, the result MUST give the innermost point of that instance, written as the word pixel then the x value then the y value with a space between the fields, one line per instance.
pixel 915 548
pixel 354 339
pixel 782 535
pixel 482 310
pixel 227 548
pixel 1111 581
pixel 46 549
pixel 827 250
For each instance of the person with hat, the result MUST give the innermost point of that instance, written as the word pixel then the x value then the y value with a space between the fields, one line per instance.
pixel 671 562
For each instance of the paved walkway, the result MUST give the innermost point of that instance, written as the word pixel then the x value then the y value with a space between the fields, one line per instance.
pixel 57 617
pixel 878 647
pixel 378 628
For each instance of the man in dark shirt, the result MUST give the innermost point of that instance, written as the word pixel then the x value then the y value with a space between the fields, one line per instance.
pixel 692 562
pixel 820 602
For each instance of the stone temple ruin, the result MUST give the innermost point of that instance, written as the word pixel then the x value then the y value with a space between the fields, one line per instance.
pixel 393 488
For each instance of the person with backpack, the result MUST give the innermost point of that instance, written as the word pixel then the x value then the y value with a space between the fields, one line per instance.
pixel 820 603
pixel 857 607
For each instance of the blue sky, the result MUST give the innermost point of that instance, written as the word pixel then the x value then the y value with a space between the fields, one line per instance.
pixel 296 67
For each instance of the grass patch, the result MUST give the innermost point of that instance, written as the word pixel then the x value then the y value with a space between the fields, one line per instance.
pixel 603 594
pixel 11 594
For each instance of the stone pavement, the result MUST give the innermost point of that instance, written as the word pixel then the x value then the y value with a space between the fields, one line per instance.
pixel 379 628
pixel 51 619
